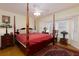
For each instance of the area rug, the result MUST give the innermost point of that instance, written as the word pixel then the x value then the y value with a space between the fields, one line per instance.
pixel 56 51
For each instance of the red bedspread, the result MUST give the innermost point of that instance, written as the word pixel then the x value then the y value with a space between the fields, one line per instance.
pixel 33 38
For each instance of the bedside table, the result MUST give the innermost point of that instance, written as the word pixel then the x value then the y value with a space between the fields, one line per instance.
pixel 6 41
pixel 64 41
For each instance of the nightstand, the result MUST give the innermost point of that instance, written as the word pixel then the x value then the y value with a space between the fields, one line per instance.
pixel 6 41
pixel 64 41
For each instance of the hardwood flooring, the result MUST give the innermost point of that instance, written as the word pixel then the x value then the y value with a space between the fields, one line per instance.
pixel 15 51
pixel 11 51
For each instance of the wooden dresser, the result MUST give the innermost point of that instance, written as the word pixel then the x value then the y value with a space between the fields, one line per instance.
pixel 6 41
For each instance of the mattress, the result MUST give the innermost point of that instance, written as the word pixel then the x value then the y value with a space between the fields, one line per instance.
pixel 33 38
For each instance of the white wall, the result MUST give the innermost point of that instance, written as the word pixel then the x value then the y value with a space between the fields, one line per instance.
pixel 67 13
pixel 46 22
pixel 19 20
pixel 31 22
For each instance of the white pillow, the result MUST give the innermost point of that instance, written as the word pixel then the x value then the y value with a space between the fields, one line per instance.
pixel 22 31
pixel 32 31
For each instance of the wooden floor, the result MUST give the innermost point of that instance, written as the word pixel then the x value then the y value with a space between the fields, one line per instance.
pixel 11 51
pixel 15 51
pixel 69 47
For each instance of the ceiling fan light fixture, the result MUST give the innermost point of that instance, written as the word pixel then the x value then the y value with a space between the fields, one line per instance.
pixel 37 13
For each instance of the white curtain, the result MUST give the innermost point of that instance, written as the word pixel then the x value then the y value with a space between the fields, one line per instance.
pixel 61 25
pixel 69 25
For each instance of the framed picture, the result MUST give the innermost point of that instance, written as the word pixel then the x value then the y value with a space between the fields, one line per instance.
pixel 5 19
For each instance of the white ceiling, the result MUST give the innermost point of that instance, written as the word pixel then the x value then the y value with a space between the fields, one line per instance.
pixel 44 8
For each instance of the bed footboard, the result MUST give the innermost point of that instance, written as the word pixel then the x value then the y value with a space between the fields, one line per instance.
pixel 34 48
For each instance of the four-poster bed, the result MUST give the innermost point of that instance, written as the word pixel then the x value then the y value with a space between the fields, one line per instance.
pixel 32 42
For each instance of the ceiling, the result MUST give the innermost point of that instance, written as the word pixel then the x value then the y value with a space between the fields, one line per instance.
pixel 43 8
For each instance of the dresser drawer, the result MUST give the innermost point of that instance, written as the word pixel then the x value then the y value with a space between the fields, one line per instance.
pixel 6 41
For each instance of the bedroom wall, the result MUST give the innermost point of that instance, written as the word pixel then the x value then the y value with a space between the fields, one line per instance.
pixel 75 41
pixel 43 21
pixel 20 21
pixel 67 13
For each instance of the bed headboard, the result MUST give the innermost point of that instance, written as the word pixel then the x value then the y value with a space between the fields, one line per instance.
pixel 23 30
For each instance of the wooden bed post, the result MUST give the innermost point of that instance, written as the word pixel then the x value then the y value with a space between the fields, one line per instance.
pixel 54 28
pixel 34 23
pixel 27 26
pixel 14 30
pixel 14 26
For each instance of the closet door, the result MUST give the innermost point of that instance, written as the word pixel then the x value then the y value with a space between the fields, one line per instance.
pixel 73 28
pixel 75 32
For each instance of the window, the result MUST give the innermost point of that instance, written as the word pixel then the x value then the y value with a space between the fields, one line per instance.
pixel 61 25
